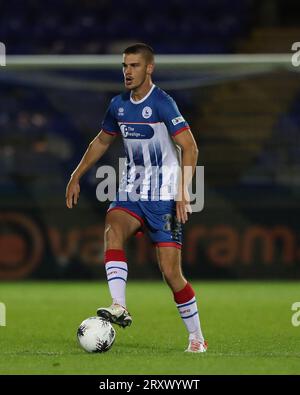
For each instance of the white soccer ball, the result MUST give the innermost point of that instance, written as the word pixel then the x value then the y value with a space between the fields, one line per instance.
pixel 96 335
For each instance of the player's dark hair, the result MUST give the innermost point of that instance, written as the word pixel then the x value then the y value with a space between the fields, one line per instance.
pixel 143 49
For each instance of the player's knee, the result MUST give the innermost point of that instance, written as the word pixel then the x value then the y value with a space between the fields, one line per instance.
pixel 112 236
pixel 171 274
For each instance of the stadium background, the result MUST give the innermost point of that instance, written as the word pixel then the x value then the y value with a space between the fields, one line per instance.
pixel 245 121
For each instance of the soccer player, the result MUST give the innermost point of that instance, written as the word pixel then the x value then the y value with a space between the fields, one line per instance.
pixel 152 194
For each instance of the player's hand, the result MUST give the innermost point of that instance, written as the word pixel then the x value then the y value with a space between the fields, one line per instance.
pixel 72 192
pixel 183 207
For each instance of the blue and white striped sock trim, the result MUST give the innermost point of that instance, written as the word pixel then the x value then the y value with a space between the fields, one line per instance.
pixel 189 316
pixel 116 267
pixel 189 308
pixel 116 271
pixel 190 302
pixel 117 278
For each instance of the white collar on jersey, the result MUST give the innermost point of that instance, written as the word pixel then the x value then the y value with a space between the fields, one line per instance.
pixel 144 98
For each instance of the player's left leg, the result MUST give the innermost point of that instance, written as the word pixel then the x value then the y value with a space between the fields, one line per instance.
pixel 169 259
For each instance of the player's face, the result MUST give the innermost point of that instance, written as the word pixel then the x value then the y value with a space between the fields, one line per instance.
pixel 135 70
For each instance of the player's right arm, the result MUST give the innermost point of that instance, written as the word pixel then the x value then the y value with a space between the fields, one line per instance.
pixel 95 151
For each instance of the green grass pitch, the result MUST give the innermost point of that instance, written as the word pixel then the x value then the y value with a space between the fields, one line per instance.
pixel 247 325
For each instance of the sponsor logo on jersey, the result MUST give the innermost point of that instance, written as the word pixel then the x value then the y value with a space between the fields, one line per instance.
pixel 177 120
pixel 137 131
pixel 147 112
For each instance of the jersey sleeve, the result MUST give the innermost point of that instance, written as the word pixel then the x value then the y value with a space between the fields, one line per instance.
pixel 172 117
pixel 109 124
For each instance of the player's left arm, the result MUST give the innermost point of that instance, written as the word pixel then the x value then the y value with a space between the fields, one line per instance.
pixel 189 158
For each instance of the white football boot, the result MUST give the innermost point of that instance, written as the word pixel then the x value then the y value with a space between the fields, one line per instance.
pixel 196 345
pixel 116 314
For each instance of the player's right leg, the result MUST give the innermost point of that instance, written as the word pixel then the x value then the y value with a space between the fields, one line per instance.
pixel 120 225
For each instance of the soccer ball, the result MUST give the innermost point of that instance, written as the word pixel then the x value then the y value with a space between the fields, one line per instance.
pixel 96 335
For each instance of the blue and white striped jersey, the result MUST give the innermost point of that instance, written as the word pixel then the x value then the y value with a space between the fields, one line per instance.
pixel 147 127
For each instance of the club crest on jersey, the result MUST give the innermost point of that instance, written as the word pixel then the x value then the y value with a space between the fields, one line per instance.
pixel 121 111
pixel 147 112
